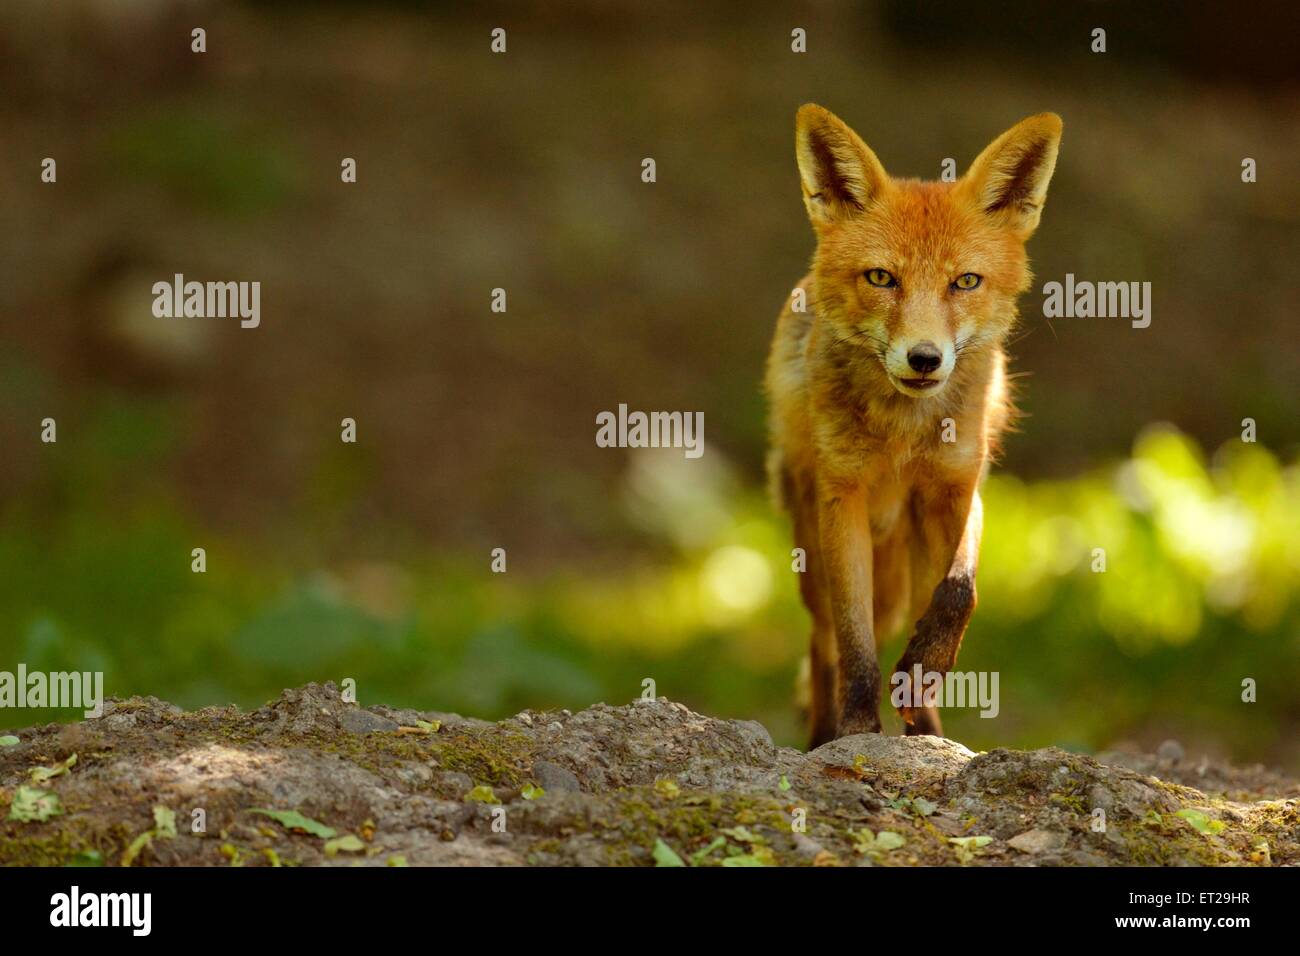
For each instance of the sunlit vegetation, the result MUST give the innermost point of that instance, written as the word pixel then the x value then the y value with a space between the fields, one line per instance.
pixel 1198 593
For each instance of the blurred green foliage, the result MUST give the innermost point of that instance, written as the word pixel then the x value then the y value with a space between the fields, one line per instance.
pixel 1201 558
pixel 217 163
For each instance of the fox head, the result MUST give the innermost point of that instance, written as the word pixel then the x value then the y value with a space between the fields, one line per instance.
pixel 922 275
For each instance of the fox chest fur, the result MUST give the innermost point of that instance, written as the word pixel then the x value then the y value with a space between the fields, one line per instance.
pixel 831 416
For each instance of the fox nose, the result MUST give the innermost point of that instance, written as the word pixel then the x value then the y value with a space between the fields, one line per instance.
pixel 924 357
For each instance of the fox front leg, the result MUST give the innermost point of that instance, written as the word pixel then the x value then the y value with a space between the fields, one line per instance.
pixel 952 522
pixel 845 535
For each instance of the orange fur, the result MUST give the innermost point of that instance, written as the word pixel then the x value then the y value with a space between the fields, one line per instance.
pixel 885 508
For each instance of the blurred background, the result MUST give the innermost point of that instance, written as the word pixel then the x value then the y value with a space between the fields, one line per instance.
pixel 476 429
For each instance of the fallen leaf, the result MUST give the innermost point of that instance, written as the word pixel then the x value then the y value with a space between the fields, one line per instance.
pixel 867 842
pixel 757 856
pixel 33 805
pixel 965 847
pixel 136 847
pixel 482 794
pixel 664 855
pixel 164 822
pixel 293 820
pixel 974 842
pixel 42 774
pixel 923 806
pixel 889 840
pixel 698 856
pixel 422 727
pixel 1200 822
pixel 344 844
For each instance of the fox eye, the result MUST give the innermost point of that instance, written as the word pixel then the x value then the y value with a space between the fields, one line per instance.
pixel 967 281
pixel 881 278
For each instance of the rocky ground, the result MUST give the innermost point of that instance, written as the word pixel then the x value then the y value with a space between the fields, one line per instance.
pixel 649 783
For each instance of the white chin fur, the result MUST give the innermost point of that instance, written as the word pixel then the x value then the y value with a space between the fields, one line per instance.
pixel 911 392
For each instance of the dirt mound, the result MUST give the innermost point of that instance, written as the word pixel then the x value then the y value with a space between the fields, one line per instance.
pixel 644 783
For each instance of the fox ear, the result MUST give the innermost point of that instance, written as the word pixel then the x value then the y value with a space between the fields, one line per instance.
pixel 839 174
pixel 1009 179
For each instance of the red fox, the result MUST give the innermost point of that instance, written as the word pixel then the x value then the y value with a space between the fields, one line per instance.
pixel 888 392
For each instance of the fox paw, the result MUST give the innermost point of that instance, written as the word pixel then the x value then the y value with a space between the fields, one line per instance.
pixel 909 701
pixel 903 694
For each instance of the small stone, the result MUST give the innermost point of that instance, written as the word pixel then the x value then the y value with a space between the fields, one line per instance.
pixel 1037 841
pixel 524 718
pixel 1099 796
pixel 757 732
pixel 806 847
pixel 1170 750
pixel 553 777
pixel 555 725
pixel 455 782
pixel 416 774
pixel 364 722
